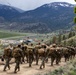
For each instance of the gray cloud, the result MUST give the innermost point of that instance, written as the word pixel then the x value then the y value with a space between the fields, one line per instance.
pixel 30 4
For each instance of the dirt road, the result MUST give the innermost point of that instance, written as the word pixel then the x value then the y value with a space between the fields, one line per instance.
pixel 34 70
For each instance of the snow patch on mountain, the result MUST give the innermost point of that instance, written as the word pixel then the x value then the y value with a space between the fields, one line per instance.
pixel 57 4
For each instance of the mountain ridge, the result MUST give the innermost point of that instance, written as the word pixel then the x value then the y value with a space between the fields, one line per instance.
pixel 46 18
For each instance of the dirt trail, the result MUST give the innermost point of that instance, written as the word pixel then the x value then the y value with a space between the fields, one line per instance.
pixel 25 70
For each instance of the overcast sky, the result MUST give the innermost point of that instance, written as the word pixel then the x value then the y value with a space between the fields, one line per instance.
pixel 31 4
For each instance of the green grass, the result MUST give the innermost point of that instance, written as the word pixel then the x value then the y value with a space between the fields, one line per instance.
pixel 68 69
pixel 6 34
pixel 72 73
pixel 70 41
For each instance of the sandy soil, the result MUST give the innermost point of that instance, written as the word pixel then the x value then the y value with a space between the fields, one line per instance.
pixel 34 70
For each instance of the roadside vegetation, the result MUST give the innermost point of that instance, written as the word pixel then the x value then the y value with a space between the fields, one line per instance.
pixel 68 69
pixel 68 39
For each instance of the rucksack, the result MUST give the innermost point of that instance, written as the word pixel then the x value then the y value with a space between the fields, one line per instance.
pixel 17 53
pixel 7 52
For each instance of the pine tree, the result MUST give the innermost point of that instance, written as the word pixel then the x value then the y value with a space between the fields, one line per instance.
pixel 71 42
pixel 64 43
pixel 73 33
pixel 74 19
pixel 63 37
pixel 59 39
pixel 54 40
pixel 75 9
pixel 75 0
pixel 70 35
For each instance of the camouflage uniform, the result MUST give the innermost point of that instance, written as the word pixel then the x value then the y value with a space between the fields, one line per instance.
pixel 7 58
pixel 42 63
pixel 22 53
pixel 18 60
pixel 31 57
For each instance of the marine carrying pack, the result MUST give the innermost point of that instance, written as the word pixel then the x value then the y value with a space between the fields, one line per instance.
pixel 7 52
pixel 17 53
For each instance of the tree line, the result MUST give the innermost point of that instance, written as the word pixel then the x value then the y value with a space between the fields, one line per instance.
pixel 65 39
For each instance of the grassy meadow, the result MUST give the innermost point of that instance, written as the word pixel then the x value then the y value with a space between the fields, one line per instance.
pixel 10 34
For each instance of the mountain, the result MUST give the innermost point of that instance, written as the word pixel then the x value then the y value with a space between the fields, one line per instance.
pixel 8 12
pixel 57 15
pixel 46 18
pixel 18 9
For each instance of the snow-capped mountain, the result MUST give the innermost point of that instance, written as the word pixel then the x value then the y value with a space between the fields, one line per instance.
pixel 46 18
pixel 58 4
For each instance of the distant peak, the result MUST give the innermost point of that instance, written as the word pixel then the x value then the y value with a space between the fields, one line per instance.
pixel 7 7
pixel 56 4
